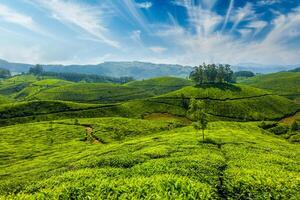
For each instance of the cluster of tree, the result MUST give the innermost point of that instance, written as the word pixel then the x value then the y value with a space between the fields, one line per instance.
pixel 75 77
pixel 4 73
pixel 212 73
pixel 246 74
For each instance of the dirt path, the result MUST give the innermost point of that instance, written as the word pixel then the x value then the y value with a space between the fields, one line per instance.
pixel 90 136
pixel 289 120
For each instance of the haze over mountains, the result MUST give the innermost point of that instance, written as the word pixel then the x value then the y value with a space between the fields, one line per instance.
pixel 137 70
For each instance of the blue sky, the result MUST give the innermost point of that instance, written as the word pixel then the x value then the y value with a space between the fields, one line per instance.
pixel 162 31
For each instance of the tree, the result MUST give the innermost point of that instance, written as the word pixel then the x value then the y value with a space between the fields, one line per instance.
pixel 197 110
pixel 295 126
pixel 212 73
pixel 4 73
pixel 221 74
pixel 198 75
pixel 246 74
pixel 36 70
pixel 228 74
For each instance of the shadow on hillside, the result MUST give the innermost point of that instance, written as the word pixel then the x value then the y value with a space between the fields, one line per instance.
pixel 221 86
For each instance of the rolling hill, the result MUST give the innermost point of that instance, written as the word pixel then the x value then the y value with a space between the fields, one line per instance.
pixel 222 102
pixel 119 158
pixel 283 83
pixel 137 70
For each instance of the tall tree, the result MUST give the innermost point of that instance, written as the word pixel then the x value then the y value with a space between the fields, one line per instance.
pixel 36 70
pixel 4 73
pixel 197 111
pixel 221 73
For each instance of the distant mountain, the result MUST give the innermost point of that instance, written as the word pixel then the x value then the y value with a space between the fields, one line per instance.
pixel 264 69
pixel 137 70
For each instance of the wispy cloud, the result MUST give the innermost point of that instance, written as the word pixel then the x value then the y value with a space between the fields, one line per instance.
pixel 137 16
pixel 11 16
pixel 242 14
pixel 144 5
pixel 84 16
pixel 231 4
pixel 158 49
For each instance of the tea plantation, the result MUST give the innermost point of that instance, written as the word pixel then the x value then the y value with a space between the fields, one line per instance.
pixel 67 140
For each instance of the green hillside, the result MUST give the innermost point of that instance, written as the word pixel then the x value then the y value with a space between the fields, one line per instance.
pixel 283 83
pixel 118 158
pixel 223 102
pixel 92 93
pixel 235 102
pixel 16 84
pixel 37 87
pixel 161 85
pixel 5 100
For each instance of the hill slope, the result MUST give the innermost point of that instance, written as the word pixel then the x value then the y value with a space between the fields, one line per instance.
pixel 283 83
pixel 137 70
pixel 234 101
pixel 243 103
pixel 161 85
pixel 89 159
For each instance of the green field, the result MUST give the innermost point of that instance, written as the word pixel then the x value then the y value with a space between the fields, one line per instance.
pixel 135 159
pixel 282 83
pixel 66 140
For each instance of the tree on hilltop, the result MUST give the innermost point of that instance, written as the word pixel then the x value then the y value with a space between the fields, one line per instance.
pixel 36 70
pixel 212 73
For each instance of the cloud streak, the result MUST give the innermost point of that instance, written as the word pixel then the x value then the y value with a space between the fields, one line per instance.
pixel 81 15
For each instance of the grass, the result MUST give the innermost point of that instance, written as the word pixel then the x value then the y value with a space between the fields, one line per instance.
pixel 161 85
pixel 282 83
pixel 15 84
pixel 93 93
pixel 235 102
pixel 244 105
pixel 151 161
pixel 5 100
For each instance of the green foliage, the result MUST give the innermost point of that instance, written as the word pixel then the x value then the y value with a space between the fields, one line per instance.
pixel 152 162
pixel 197 111
pixel 4 73
pixel 282 83
pixel 235 102
pixel 36 70
pixel 161 85
pixel 246 74
pixel 92 93
pixel 295 126
pixel 89 78
pixel 212 73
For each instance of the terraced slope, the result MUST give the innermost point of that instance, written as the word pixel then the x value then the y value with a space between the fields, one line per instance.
pixel 161 85
pixel 149 160
pixel 234 101
pixel 16 84
pixel 29 92
pixel 93 93
pixel 283 83
pixel 5 100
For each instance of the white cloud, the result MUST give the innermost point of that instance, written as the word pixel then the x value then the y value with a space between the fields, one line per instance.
pixel 245 13
pixel 204 21
pixel 136 14
pixel 144 5
pixel 268 2
pixel 227 48
pixel 158 49
pixel 85 17
pixel 231 5
pixel 14 17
